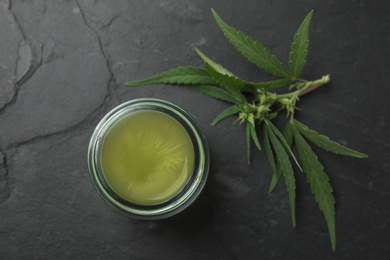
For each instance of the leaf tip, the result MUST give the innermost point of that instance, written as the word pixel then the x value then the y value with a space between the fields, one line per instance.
pixel 362 156
pixel 333 244
pixel 130 84
pixel 309 15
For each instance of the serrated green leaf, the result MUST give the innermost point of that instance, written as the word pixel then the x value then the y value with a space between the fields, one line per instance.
pixel 244 85
pixel 227 112
pixel 288 133
pixel 214 92
pixel 254 137
pixel 253 50
pixel 233 84
pixel 271 159
pixel 182 75
pixel 319 183
pixel 283 161
pixel 271 84
pixel 325 143
pixel 248 141
pixel 299 47
pixel 283 142
pixel 217 67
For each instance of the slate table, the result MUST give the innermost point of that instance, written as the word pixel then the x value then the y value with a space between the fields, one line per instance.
pixel 62 65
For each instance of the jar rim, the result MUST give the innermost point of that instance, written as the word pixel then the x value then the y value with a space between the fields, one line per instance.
pixel 185 196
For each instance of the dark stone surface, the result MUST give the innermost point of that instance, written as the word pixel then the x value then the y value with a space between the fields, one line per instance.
pixel 62 64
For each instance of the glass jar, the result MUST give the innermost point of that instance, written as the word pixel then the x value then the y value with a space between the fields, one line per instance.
pixel 148 158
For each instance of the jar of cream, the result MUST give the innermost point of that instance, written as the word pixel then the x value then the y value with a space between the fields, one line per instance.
pixel 148 158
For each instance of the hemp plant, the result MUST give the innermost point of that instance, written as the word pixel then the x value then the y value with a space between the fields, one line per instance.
pixel 257 112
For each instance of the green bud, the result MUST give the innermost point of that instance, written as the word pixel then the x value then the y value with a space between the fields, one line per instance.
pixel 251 119
pixel 263 98
pixel 262 108
pixel 284 101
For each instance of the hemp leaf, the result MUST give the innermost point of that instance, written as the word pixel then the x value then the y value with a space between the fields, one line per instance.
pixel 325 143
pixel 262 106
pixel 217 67
pixel 283 164
pixel 181 75
pixel 227 112
pixel 299 47
pixel 318 181
pixel 253 50
pixel 214 92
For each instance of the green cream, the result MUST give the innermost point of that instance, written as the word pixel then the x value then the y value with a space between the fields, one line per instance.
pixel 147 157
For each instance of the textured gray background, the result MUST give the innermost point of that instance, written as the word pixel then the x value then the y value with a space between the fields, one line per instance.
pixel 62 65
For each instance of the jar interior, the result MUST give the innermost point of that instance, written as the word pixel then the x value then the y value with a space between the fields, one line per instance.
pixel 147 157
